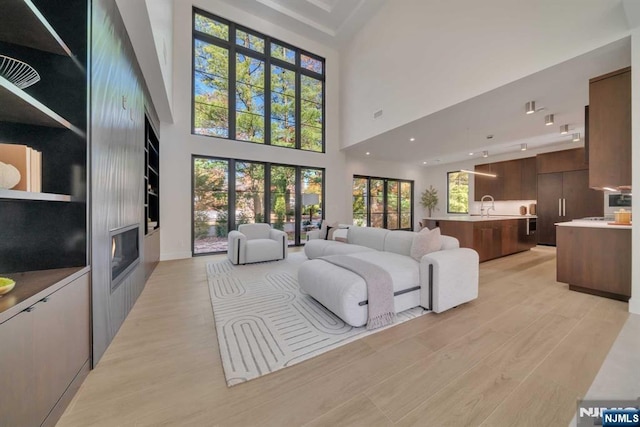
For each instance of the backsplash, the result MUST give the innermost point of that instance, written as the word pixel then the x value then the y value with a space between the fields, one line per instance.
pixel 507 207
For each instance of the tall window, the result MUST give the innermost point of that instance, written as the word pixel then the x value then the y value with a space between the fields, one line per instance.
pixel 383 203
pixel 457 192
pixel 250 87
pixel 229 192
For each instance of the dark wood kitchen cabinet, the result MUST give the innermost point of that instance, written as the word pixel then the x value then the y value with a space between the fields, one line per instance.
pixel 490 238
pixel 529 179
pixel 564 196
pixel 486 185
pixel 509 236
pixel 562 161
pixel 515 180
pixel 487 239
pixel 610 130
pixel 595 260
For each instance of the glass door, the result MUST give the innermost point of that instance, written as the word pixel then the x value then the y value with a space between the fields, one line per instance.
pixel 312 192
pixel 210 205
pixel 283 200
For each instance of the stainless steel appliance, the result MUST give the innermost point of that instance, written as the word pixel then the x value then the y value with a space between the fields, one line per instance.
pixel 619 200
pixel 532 225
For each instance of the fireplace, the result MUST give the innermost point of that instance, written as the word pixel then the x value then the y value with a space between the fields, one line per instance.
pixel 125 253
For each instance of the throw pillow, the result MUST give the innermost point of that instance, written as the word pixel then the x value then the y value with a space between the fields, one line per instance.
pixel 329 234
pixel 325 231
pixel 425 242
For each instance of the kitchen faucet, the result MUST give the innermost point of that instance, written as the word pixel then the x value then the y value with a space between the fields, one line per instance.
pixel 492 207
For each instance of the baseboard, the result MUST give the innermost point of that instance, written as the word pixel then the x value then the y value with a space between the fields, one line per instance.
pixel 599 293
pixel 634 305
pixel 168 256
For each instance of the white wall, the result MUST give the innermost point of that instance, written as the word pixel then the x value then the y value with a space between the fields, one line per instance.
pixel 634 303
pixel 417 57
pixel 161 19
pixel 150 26
pixel 177 144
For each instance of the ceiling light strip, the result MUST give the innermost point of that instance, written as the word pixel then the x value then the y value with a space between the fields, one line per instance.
pixel 492 175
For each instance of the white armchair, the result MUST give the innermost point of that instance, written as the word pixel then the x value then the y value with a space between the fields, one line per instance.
pixel 256 243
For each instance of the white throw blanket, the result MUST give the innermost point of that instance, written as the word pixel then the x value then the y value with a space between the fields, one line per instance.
pixel 381 310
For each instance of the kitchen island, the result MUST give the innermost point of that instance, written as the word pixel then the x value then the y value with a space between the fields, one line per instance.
pixel 492 237
pixel 595 257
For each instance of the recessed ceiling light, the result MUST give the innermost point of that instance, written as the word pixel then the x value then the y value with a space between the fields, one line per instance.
pixel 548 119
pixel 485 154
pixel 523 147
pixel 530 107
pixel 424 163
pixel 564 129
pixel 576 137
pixel 367 153
pixel 412 139
pixel 471 154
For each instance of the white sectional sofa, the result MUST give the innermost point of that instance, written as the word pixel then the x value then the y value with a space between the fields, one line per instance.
pixel 439 281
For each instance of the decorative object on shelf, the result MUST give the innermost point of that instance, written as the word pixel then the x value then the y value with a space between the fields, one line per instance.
pixel 532 208
pixel 17 72
pixel 9 176
pixel 6 285
pixel 28 162
pixel 429 199
pixel 523 210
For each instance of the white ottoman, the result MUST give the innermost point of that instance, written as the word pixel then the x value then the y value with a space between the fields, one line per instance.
pixel 342 291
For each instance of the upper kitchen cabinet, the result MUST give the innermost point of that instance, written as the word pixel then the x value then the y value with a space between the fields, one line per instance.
pixel 562 161
pixel 610 130
pixel 515 180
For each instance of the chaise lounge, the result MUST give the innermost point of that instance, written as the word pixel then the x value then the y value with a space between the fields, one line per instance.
pixel 439 281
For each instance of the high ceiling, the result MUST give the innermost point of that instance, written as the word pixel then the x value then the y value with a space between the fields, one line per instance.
pixel 327 21
pixel 451 134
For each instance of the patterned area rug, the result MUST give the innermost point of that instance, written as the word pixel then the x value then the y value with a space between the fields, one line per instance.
pixel 265 323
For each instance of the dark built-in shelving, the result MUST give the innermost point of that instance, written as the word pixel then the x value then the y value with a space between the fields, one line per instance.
pixel 24 24
pixel 46 230
pixel 20 107
pixel 151 178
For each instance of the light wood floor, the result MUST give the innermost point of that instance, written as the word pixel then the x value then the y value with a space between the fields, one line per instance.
pixel 521 354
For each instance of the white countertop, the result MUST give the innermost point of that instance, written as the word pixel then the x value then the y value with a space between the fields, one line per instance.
pixel 478 218
pixel 593 224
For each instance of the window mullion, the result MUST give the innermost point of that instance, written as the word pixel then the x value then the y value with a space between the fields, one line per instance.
pixel 231 179
pixel 267 92
pixel 232 85
pixel 298 96
pixel 267 192
pixel 298 208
